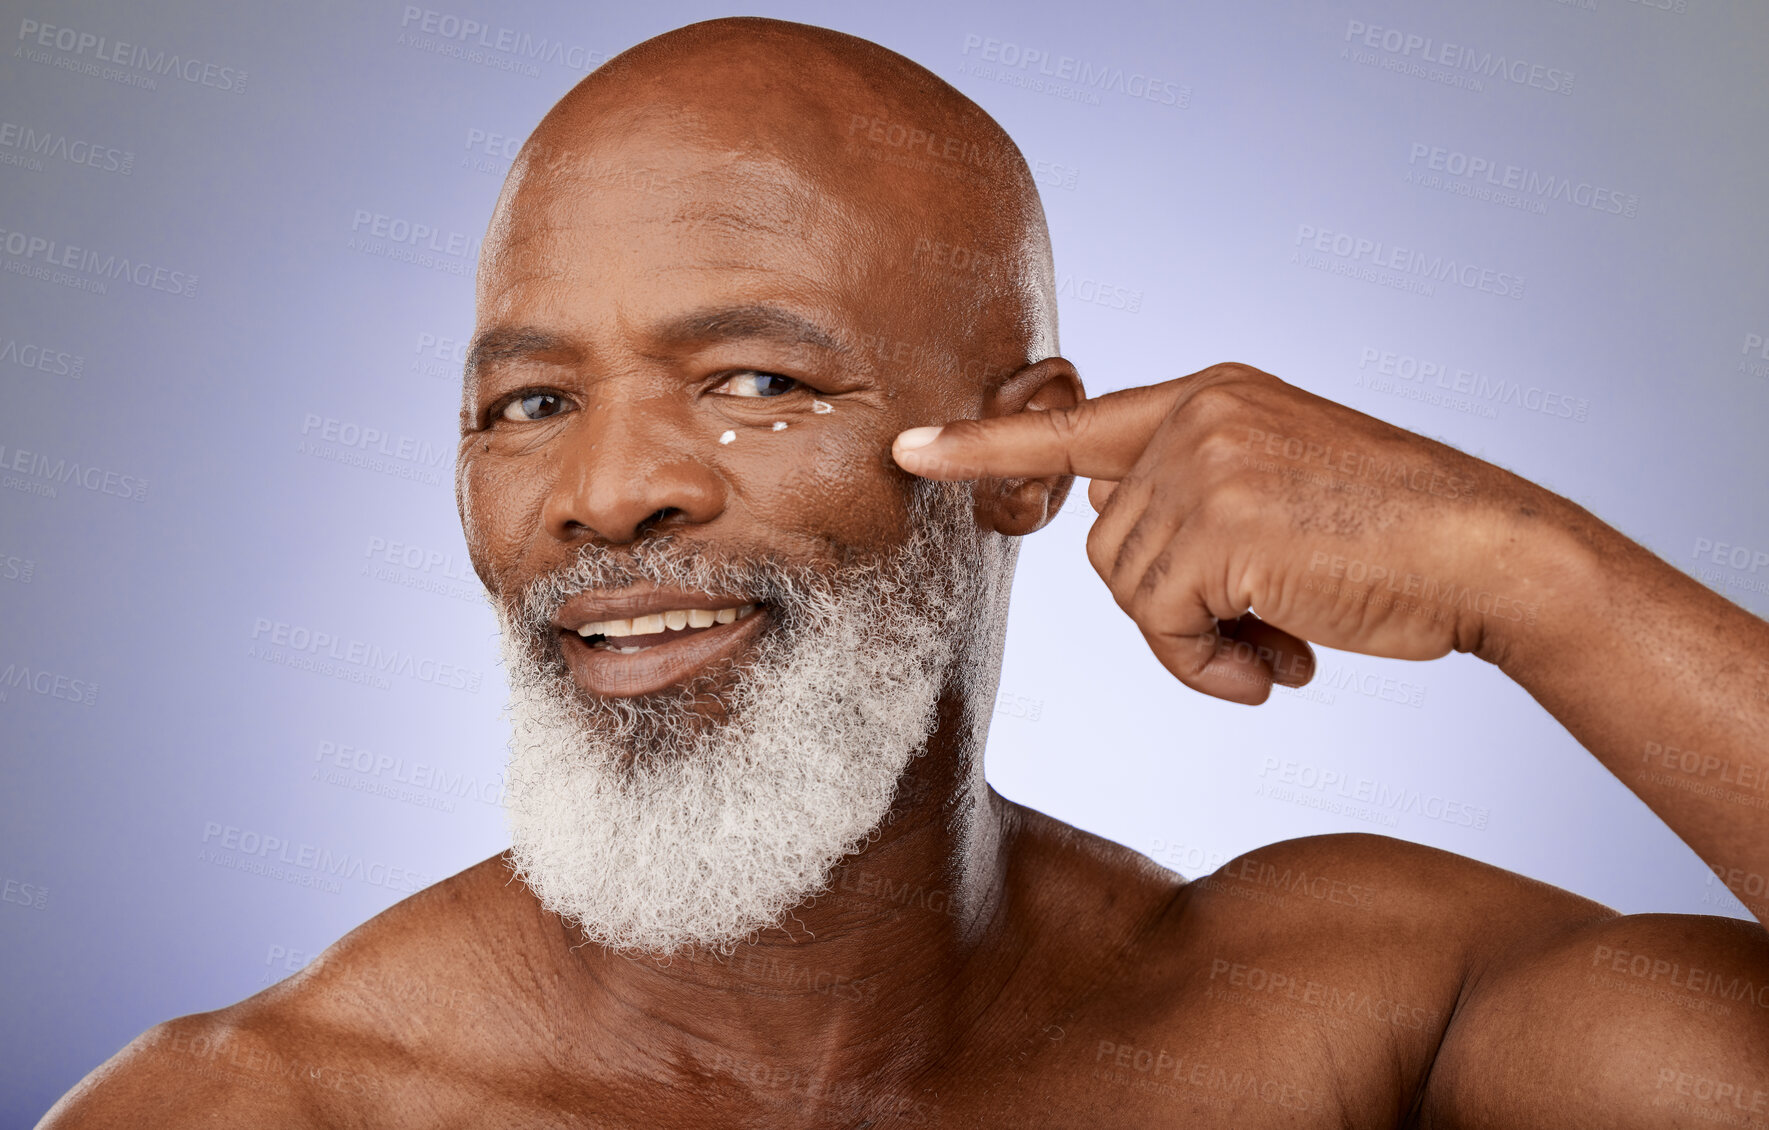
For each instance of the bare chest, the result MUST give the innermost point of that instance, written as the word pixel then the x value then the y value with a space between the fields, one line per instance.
pixel 1228 1064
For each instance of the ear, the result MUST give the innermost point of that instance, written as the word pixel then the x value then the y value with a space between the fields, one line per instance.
pixel 1020 506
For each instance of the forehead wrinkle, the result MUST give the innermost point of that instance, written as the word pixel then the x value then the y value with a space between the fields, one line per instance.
pixel 526 257
pixel 803 208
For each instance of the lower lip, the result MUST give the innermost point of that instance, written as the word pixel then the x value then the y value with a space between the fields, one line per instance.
pixel 660 666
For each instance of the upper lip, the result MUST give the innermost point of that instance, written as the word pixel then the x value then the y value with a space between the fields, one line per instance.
pixel 591 608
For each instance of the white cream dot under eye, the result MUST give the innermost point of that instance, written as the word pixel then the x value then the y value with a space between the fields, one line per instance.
pixel 820 407
pixel 727 437
pixel 779 425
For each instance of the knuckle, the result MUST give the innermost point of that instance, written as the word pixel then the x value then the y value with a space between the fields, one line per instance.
pixel 1129 550
pixel 1068 427
pixel 1153 578
pixel 1220 448
pixel 1215 407
pixel 1228 503
pixel 1239 371
pixel 1097 547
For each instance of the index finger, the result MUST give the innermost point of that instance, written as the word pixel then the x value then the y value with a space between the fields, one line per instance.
pixel 1099 438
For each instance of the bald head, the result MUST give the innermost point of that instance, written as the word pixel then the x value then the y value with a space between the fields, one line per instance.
pixel 911 194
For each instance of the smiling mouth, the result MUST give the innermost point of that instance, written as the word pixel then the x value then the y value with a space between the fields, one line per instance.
pixel 644 654
pixel 628 637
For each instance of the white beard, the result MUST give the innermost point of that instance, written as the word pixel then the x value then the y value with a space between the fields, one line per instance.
pixel 650 827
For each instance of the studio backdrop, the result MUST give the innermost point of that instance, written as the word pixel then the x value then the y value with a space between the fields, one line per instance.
pixel 249 689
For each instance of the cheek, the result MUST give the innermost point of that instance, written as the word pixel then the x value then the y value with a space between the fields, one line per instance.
pixel 501 502
pixel 835 486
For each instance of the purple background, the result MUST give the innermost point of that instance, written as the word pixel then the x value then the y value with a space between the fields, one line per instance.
pixel 194 498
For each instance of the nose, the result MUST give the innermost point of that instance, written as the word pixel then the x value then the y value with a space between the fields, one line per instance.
pixel 626 468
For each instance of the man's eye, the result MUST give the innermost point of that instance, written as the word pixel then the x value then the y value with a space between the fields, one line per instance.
pixel 534 406
pixel 751 383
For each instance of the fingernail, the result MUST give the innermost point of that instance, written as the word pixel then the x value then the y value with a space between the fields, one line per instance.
pixel 917 437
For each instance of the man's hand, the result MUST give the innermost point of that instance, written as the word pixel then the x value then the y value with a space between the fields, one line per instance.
pixel 1228 491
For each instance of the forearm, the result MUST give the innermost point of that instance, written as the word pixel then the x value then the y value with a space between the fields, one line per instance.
pixel 1663 680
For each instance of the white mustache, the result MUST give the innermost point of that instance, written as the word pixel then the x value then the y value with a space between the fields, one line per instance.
pixel 667 562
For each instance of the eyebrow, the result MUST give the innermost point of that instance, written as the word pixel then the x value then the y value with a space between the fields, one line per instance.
pixel 733 323
pixel 728 323
pixel 508 344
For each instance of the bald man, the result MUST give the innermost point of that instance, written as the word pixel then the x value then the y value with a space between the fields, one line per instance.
pixel 753 601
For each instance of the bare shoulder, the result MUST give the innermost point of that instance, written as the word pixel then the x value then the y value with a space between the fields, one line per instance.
pixel 1643 1019
pixel 1387 884
pixel 1318 974
pixel 1317 892
pixel 233 1066
pixel 1413 922
pixel 1530 1001
pixel 335 1041
pixel 1320 889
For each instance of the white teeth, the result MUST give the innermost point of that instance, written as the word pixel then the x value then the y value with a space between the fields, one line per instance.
pixel 674 619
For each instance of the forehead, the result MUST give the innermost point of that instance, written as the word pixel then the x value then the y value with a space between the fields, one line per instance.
pixel 642 227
